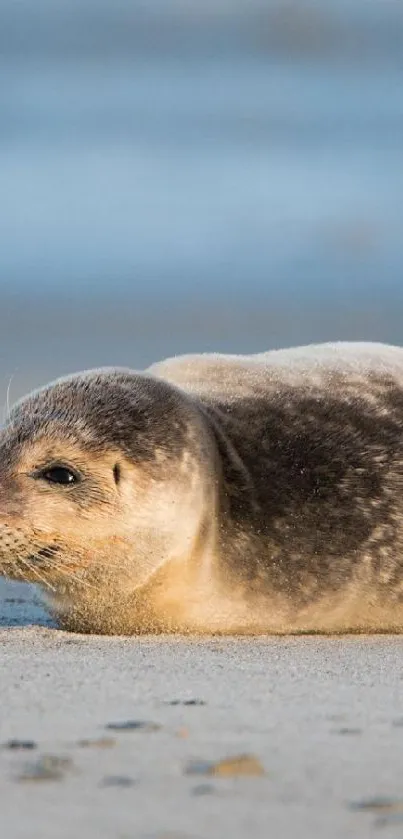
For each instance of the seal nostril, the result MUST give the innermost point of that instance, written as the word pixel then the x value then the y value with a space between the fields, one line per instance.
pixel 116 473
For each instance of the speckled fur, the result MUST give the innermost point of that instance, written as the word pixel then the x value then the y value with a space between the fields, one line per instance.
pixel 260 493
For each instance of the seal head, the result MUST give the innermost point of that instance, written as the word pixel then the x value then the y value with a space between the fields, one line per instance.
pixel 104 480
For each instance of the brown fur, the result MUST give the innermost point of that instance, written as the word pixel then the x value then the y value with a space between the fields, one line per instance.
pixel 256 494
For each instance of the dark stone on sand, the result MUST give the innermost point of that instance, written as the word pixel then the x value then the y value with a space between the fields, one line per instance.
pixel 118 781
pixel 228 767
pixel 203 789
pixel 47 768
pixel 20 745
pixel 133 725
pixel 98 743
pixel 379 804
pixel 346 730
pixel 199 767
pixel 389 819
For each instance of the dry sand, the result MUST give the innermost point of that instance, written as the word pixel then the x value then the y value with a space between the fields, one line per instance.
pixel 323 715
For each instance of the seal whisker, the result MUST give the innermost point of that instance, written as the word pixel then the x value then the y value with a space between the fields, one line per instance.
pixel 36 573
pixel 72 575
pixel 61 565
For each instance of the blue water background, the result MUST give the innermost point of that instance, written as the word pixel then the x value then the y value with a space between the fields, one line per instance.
pixel 181 177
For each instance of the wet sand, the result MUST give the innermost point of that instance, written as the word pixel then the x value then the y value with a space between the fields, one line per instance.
pixel 323 716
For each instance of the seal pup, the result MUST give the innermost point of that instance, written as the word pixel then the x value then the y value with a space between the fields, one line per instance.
pixel 213 493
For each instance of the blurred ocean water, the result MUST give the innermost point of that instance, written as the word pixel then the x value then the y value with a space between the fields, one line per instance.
pixel 193 176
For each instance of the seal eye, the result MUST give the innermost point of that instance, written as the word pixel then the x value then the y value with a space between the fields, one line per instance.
pixel 59 475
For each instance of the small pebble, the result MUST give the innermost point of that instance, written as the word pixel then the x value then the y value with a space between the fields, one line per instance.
pixel 199 767
pixel 133 725
pixel 182 732
pixel 117 781
pixel 20 745
pixel 99 743
pixel 228 767
pixel 47 768
pixel 389 819
pixel 379 804
pixel 346 730
pixel 203 789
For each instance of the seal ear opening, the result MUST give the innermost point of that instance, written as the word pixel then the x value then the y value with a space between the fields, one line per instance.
pixel 116 473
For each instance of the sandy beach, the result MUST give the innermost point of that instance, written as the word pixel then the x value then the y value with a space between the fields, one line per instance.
pixel 322 716
pixel 179 178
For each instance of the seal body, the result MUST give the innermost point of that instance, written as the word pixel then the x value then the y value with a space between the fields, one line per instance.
pixel 213 493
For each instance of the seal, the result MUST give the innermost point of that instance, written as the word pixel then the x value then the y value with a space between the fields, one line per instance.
pixel 213 493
